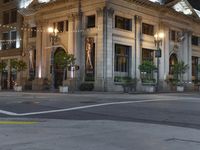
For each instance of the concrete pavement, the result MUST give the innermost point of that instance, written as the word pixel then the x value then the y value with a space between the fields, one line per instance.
pixel 97 135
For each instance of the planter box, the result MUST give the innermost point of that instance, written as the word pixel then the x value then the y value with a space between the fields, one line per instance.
pixel 148 88
pixel 180 88
pixel 18 88
pixel 63 89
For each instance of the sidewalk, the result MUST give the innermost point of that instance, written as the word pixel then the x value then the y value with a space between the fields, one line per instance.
pixel 97 135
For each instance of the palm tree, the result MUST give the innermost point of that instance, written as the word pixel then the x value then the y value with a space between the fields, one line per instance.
pixel 147 68
pixel 18 66
pixel 179 70
pixel 64 60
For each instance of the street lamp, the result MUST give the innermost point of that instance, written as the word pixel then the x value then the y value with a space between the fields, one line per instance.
pixel 53 35
pixel 158 38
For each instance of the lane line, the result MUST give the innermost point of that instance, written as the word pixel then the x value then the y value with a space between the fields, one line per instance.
pixel 7 113
pixel 18 122
pixel 82 107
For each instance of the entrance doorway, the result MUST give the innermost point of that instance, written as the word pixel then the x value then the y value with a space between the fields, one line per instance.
pixel 4 80
pixel 58 71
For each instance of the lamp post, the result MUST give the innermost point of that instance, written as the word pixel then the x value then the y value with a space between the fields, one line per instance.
pixel 53 39
pixel 158 38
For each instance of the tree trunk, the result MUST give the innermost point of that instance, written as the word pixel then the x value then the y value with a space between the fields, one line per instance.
pixel 64 74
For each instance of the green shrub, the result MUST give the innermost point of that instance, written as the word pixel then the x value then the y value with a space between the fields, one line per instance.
pixel 147 69
pixel 86 87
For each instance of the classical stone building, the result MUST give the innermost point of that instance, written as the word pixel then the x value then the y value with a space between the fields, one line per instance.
pixel 110 39
pixel 10 39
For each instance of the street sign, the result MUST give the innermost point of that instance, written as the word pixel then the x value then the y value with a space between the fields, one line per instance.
pixel 158 53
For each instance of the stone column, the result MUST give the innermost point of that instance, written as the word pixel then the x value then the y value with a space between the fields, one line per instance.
pixel 71 32
pixel 45 39
pixel 190 56
pixel 78 43
pixel 138 54
pixel 100 59
pixel 164 60
pixel 38 51
pixel 25 50
pixel 108 49
pixel 41 44
pixel 187 54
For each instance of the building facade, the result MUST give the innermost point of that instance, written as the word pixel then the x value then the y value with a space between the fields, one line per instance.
pixel 11 36
pixel 110 39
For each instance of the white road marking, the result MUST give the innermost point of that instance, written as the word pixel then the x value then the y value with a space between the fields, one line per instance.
pixel 7 113
pixel 82 107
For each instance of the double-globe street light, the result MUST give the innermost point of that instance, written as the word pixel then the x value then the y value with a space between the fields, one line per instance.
pixel 158 39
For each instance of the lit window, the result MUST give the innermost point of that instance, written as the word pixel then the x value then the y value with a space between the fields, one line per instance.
pixel 122 54
pixel 5 43
pixel 13 39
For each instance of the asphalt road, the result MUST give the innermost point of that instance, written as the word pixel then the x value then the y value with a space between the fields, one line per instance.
pixel 168 118
pixel 171 109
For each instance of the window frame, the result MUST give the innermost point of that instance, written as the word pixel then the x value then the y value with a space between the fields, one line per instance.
pixel 151 54
pixel 195 40
pixel 122 55
pixel 126 23
pixel 93 22
pixel 147 29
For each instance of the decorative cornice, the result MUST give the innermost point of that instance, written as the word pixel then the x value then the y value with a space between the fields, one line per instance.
pixel 110 12
pixel 100 12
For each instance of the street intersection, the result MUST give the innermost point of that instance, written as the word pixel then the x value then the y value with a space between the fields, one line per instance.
pixel 110 121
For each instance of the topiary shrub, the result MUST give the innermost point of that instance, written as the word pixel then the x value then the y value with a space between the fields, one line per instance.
pixel 86 87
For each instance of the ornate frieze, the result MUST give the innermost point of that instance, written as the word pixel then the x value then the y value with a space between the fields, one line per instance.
pixel 105 11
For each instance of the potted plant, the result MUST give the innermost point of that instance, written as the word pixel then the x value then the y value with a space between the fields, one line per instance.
pixel 18 66
pixel 128 84
pixel 2 68
pixel 147 69
pixel 64 60
pixel 179 70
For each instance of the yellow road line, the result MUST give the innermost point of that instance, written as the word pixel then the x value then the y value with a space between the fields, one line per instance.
pixel 17 122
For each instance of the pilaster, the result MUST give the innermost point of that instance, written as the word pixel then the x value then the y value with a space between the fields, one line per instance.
pixel 138 54
pixel 187 54
pixel 71 29
pixel 100 58
pixel 108 49
pixel 78 51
